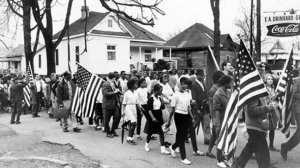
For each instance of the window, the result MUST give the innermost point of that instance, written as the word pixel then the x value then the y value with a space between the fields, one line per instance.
pixel 148 55
pixel 110 23
pixel 56 57
pixel 111 52
pixel 16 65
pixel 77 54
pixel 40 61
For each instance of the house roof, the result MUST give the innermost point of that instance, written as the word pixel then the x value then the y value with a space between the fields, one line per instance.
pixel 78 26
pixel 196 36
pixel 224 37
pixel 15 52
pixel 94 18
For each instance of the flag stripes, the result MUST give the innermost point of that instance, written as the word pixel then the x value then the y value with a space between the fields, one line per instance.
pixel 285 91
pixel 86 93
pixel 248 87
pixel 26 89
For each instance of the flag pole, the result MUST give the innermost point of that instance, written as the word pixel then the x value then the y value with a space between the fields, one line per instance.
pixel 214 58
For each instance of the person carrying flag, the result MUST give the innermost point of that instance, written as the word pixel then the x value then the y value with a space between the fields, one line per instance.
pixel 295 139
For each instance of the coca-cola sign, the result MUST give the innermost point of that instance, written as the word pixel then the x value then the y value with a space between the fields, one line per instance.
pixel 284 30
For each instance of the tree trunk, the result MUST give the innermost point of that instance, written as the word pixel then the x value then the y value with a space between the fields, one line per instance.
pixel 27 33
pixel 210 65
pixel 50 56
pixel 258 38
pixel 217 32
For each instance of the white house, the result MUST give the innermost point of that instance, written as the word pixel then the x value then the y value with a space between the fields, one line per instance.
pixel 112 45
pixel 14 61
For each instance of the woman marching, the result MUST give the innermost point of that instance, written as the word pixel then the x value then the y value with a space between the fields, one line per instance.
pixel 269 80
pixel 183 117
pixel 142 100
pixel 129 108
pixel 155 122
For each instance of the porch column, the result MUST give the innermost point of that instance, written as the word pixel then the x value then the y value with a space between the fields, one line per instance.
pixel 140 54
pixel 156 54
pixel 170 54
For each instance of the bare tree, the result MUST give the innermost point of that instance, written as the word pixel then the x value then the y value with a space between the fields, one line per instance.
pixel 22 9
pixel 38 10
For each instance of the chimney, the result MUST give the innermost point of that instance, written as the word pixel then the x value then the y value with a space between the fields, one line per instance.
pixel 84 14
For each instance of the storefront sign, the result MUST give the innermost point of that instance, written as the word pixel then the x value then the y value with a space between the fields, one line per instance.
pixel 283 25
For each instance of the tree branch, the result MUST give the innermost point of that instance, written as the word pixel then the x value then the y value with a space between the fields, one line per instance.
pixel 13 9
pixel 63 32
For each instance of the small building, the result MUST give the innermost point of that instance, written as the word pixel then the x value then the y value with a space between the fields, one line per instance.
pixel 112 45
pixel 14 61
pixel 275 54
pixel 191 47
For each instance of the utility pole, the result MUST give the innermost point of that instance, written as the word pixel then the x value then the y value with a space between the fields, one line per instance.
pixel 258 28
pixel 251 29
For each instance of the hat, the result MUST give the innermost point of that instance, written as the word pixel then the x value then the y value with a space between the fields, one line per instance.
pixel 200 72
pixel 111 75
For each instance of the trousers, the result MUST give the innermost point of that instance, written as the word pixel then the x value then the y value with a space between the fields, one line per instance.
pixel 257 144
pixel 16 111
pixel 108 113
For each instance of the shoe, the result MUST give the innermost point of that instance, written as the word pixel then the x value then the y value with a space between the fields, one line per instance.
pixel 147 149
pixel 163 150
pixel 138 137
pixel 12 122
pixel 198 153
pixel 65 130
pixel 222 164
pixel 186 162
pixel 272 148
pixel 76 129
pixel 187 141
pixel 153 138
pixel 131 142
pixel 210 155
pixel 177 150
pixel 98 128
pixel 173 154
pixel 109 135
pixel 283 152
pixel 18 122
pixel 37 116
pixel 115 134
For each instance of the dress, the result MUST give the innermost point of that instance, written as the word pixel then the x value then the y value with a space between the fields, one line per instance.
pixel 130 101
pixel 155 105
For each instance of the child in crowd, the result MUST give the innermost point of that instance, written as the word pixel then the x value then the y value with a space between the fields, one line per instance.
pixel 155 106
pixel 142 101
pixel 129 108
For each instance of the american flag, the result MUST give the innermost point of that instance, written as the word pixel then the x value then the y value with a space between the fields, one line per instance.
pixel 86 93
pixel 26 90
pixel 285 90
pixel 248 86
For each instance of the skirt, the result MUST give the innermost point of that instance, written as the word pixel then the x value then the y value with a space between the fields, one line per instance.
pixel 154 127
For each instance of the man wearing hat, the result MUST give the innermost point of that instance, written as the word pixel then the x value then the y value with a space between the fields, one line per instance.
pixel 110 105
pixel 16 98
pixel 200 95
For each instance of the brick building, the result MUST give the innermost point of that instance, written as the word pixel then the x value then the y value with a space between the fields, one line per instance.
pixel 191 47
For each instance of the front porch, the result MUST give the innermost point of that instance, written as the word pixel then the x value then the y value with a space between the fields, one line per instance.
pixel 143 55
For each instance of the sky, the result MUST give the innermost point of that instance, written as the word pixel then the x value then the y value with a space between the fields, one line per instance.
pixel 181 14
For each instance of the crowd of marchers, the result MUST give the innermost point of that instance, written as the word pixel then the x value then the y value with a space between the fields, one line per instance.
pixel 175 97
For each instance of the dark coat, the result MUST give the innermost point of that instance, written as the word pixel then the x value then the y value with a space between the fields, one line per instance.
pixel 16 92
pixel 110 99
pixel 199 95
pixel 33 92
pixel 62 91
pixel 296 96
pixel 220 101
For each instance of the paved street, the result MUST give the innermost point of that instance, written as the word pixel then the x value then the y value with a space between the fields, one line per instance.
pixel 111 153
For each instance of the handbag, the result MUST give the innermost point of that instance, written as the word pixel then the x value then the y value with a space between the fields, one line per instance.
pixel 60 113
